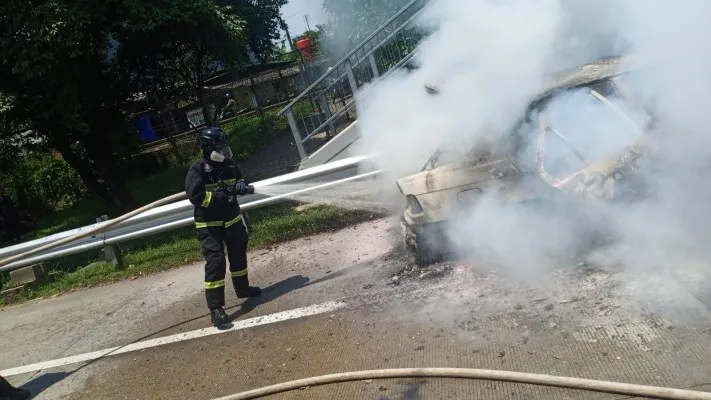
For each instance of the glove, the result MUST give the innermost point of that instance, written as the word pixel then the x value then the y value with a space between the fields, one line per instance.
pixel 242 188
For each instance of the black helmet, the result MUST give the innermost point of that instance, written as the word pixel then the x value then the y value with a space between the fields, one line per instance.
pixel 214 139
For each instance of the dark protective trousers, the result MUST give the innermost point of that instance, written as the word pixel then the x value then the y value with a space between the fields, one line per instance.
pixel 213 241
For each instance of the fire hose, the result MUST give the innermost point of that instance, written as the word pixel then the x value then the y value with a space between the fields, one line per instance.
pixel 589 385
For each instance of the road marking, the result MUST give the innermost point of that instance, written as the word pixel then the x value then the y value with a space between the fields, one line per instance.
pixel 146 344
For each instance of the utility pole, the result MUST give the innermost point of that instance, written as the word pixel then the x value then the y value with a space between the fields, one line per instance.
pixel 291 43
pixel 285 28
pixel 306 18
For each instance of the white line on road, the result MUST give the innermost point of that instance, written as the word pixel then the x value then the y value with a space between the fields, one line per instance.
pixel 146 344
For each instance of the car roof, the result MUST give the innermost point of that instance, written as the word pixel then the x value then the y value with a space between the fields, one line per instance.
pixel 586 74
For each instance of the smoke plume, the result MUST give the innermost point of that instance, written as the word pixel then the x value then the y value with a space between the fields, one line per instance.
pixel 489 59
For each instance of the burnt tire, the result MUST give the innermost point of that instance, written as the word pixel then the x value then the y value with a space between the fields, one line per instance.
pixel 427 243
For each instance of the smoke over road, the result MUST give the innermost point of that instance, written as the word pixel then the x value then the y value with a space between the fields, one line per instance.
pixel 490 58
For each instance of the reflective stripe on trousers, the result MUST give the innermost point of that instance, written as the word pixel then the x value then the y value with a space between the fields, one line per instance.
pixel 215 284
pixel 240 273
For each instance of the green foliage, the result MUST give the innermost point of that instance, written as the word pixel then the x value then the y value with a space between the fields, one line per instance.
pixel 248 134
pixel 56 182
pixel 301 110
pixel 70 70
pixel 85 211
pixel 175 56
pixel 262 20
pixel 162 184
pixel 42 183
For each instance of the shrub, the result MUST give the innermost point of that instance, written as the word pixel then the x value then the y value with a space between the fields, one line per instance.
pixel 42 183
pixel 248 134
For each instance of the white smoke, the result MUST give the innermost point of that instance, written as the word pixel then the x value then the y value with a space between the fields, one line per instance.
pixel 487 58
pixel 669 231
pixel 490 58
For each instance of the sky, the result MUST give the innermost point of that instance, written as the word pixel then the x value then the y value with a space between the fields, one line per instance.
pixel 294 11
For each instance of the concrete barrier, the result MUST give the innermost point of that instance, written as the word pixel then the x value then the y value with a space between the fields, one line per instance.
pixel 29 274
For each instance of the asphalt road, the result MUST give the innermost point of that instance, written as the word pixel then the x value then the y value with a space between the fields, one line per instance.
pixel 331 305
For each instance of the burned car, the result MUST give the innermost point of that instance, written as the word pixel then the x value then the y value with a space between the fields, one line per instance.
pixel 554 154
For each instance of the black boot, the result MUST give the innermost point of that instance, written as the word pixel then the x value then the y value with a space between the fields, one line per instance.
pixel 251 291
pixel 219 318
pixel 9 392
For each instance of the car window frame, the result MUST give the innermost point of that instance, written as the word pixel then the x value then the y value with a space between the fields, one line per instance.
pixel 544 128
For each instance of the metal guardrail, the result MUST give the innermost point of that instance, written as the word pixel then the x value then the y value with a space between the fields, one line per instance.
pixel 386 49
pixel 177 215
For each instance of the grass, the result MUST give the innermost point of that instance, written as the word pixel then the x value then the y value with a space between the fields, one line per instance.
pixel 271 225
pixel 249 133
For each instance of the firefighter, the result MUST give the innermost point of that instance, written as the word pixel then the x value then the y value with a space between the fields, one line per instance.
pixel 9 392
pixel 212 185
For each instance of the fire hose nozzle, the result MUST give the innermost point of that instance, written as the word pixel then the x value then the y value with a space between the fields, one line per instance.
pixel 250 189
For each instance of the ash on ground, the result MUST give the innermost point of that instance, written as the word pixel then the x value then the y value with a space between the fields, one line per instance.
pixel 414 272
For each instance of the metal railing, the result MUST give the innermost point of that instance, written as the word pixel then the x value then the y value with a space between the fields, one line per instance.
pixel 178 215
pixel 332 96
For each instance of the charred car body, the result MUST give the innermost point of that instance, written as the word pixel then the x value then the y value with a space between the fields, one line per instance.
pixel 539 162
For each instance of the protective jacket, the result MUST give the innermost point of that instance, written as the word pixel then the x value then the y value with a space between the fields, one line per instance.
pixel 208 185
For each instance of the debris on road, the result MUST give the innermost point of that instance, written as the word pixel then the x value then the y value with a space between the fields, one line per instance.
pixel 413 271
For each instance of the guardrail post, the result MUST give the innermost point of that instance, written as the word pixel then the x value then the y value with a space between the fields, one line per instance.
pixel 351 78
pixel 374 66
pixel 111 252
pixel 297 135
pixel 327 111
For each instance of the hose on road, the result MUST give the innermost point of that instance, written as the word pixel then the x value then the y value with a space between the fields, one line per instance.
pixel 99 228
pixel 479 374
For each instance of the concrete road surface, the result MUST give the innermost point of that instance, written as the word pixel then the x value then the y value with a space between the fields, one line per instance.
pixel 331 304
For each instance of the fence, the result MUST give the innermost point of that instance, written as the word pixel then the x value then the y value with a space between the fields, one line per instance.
pixel 263 144
pixel 261 137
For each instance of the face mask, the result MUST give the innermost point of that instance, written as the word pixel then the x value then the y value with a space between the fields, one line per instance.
pixel 221 154
pixel 217 157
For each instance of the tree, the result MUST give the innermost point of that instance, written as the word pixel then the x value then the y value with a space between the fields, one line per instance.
pixel 178 57
pixel 55 69
pixel 69 69
pixel 262 22
pixel 175 57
